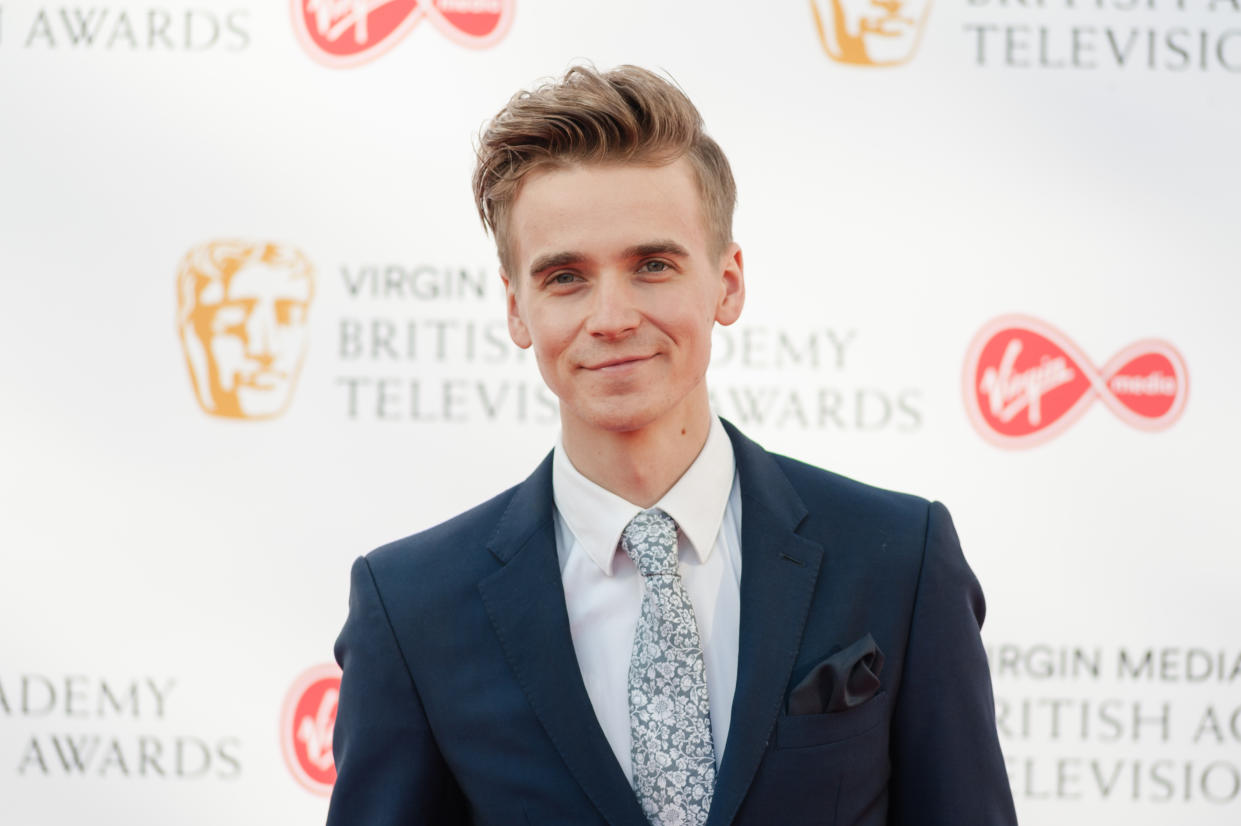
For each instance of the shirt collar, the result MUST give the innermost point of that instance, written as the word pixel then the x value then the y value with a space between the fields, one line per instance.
pixel 596 517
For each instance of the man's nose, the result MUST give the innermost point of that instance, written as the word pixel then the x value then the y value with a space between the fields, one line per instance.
pixel 613 310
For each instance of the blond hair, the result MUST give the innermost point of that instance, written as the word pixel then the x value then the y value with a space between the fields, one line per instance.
pixel 626 115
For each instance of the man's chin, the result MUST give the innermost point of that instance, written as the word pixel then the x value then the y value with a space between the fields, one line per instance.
pixel 616 419
pixel 622 424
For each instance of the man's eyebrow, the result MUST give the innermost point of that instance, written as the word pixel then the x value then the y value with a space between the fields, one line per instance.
pixel 565 259
pixel 661 247
pixel 555 259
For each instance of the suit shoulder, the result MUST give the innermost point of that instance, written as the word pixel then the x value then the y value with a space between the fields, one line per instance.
pixel 840 503
pixel 811 480
pixel 444 549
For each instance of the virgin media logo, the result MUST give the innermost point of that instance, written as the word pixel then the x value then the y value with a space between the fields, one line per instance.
pixel 306 725
pixel 1026 382
pixel 342 33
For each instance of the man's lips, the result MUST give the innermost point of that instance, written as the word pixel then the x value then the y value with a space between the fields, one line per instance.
pixel 617 363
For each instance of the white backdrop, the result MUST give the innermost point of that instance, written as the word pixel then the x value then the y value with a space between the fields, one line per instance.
pixel 169 573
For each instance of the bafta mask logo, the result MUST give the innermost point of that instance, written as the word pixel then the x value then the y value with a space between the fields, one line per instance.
pixel 242 316
pixel 870 32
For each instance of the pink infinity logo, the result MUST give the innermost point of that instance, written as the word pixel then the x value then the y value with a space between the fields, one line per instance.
pixel 1025 382
pixel 342 33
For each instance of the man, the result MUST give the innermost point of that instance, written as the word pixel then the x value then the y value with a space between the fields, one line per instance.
pixel 663 624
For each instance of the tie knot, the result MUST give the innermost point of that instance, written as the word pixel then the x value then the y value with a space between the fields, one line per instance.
pixel 650 539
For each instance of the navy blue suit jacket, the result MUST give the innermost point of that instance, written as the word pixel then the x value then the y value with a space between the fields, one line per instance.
pixel 462 702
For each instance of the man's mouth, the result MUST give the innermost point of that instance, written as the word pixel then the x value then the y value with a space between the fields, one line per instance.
pixel 618 363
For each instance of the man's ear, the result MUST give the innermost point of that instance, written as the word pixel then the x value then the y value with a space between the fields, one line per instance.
pixel 732 285
pixel 516 326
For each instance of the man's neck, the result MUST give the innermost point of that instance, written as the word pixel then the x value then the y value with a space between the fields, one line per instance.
pixel 639 466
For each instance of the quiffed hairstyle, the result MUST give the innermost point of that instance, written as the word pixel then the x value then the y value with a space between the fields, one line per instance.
pixel 626 115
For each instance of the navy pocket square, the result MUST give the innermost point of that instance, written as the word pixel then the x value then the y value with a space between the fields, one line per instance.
pixel 844 680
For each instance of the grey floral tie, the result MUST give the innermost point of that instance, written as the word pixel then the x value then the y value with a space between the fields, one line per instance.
pixel 669 716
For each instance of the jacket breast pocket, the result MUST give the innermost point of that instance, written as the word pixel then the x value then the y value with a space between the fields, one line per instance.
pixel 825 769
pixel 799 731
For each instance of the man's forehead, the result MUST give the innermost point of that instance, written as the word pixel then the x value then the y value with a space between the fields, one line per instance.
pixel 604 210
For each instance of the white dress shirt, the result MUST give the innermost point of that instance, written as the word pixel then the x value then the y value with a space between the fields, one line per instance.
pixel 603 589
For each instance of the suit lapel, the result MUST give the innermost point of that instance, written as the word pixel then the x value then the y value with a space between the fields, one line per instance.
pixel 778 574
pixel 525 601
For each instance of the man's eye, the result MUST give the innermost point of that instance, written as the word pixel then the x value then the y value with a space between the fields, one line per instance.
pixel 654 266
pixel 562 278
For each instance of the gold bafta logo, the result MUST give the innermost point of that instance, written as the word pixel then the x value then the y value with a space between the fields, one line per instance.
pixel 870 32
pixel 242 313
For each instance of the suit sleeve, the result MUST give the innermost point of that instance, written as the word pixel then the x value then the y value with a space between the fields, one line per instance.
pixel 947 767
pixel 388 767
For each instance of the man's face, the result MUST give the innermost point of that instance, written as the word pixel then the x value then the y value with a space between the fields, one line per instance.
pixel 253 328
pixel 616 290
